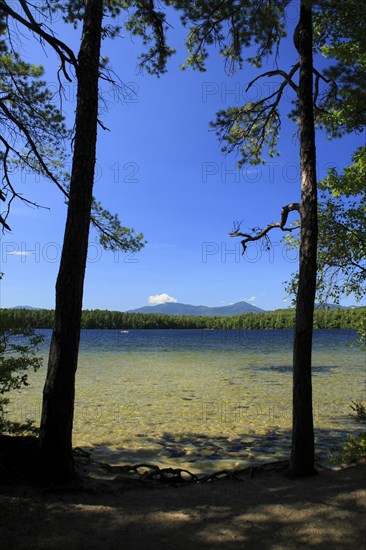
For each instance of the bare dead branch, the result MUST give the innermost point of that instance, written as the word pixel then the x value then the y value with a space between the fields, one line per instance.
pixel 262 233
pixel 102 125
pixel 278 72
pixel 321 77
pixel 316 89
pixel 286 210
pixel 358 266
pixel 4 224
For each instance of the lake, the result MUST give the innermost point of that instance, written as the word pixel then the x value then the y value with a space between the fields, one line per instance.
pixel 201 399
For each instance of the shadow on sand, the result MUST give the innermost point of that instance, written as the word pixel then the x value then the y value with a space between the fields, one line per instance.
pixel 207 454
pixel 267 511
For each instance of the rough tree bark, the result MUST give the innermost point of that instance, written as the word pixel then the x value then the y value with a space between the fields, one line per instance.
pixel 302 450
pixel 55 441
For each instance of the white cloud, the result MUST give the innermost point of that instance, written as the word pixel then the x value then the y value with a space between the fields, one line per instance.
pixel 161 299
pixel 251 299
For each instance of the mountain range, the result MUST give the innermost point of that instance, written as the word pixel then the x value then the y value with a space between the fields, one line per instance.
pixel 170 308
pixel 24 307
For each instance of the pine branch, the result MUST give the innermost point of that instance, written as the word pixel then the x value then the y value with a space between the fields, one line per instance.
pixel 32 144
pixel 66 55
pixel 147 16
pixel 256 125
pixel 9 185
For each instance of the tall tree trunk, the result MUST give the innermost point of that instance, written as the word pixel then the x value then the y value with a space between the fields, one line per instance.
pixel 302 451
pixel 55 441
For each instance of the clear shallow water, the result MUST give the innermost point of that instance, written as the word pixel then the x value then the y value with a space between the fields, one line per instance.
pixel 201 399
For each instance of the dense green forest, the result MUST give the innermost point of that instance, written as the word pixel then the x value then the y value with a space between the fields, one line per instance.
pixel 104 319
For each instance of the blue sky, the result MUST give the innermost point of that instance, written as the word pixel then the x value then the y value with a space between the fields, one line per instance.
pixel 160 167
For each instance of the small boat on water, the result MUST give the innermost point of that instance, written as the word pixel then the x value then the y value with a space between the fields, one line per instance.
pixel 125 331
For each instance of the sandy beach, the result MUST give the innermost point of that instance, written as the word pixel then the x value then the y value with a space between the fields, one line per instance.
pixel 266 510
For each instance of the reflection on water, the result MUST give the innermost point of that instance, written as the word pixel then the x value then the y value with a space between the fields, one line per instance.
pixel 201 399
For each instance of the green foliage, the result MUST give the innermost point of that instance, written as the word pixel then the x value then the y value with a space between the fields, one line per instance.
pixel 249 129
pixel 33 132
pixel 112 234
pixel 233 27
pixel 150 25
pixel 354 450
pixel 361 331
pixel 339 31
pixel 342 234
pixel 352 182
pixel 342 248
pixel 255 29
pixel 360 411
pixel 18 349
pixel 248 32
pixel 104 319
pixel 339 92
pixel 141 18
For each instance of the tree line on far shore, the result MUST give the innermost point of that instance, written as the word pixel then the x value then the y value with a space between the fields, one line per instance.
pixel 103 319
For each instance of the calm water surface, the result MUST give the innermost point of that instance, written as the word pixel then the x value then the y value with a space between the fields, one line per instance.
pixel 201 399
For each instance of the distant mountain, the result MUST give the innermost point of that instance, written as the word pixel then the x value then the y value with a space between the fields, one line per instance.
pixel 23 307
pixel 196 311
pixel 331 306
